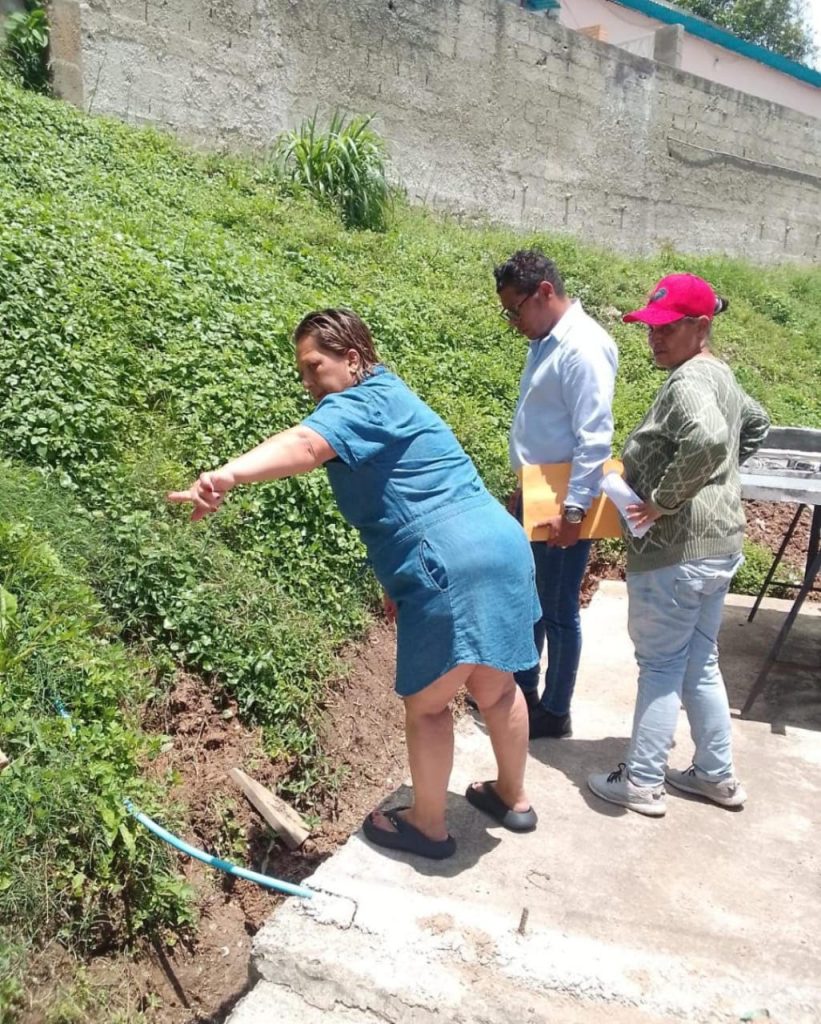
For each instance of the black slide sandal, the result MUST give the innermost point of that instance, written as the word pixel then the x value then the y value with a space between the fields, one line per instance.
pixel 485 798
pixel 406 837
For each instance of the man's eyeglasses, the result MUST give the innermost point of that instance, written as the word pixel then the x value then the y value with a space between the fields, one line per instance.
pixel 512 314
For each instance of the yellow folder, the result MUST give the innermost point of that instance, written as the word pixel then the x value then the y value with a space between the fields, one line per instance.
pixel 544 489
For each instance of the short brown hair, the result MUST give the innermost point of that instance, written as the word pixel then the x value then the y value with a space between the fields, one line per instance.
pixel 337 331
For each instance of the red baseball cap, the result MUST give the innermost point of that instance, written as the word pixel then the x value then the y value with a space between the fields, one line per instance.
pixel 673 298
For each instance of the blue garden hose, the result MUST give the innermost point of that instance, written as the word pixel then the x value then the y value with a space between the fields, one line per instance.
pixel 61 711
pixel 192 851
pixel 216 862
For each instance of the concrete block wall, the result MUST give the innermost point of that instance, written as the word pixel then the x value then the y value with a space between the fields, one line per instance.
pixel 491 111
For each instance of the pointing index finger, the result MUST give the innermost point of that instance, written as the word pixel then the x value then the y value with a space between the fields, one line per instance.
pixel 179 496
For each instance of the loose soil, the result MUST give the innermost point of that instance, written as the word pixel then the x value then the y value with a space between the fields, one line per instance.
pixel 198 982
pixel 363 740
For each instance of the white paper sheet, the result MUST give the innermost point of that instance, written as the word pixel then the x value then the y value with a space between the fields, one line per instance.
pixel 622 495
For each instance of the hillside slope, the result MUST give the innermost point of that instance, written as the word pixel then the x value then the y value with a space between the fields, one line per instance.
pixel 147 296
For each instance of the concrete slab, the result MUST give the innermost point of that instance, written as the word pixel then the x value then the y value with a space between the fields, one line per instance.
pixel 793 693
pixel 601 914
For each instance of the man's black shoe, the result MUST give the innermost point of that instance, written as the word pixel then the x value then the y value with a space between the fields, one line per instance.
pixel 545 725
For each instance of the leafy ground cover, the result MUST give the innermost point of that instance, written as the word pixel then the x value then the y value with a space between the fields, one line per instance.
pixel 146 300
pixel 73 864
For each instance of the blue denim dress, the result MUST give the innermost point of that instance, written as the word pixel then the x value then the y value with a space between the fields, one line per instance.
pixel 457 565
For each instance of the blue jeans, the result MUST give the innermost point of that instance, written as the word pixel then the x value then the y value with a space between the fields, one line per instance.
pixel 674 617
pixel 559 575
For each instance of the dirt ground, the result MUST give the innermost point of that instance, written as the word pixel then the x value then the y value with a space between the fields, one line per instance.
pixel 362 735
pixel 363 739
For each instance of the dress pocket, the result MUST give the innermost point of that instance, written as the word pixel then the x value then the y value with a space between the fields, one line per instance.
pixel 433 566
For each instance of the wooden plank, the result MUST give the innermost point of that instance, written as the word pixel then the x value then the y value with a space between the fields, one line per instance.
pixel 283 819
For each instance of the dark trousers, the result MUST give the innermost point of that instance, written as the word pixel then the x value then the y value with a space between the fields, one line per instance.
pixel 559 575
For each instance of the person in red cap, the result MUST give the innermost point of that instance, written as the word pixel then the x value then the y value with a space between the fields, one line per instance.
pixel 682 460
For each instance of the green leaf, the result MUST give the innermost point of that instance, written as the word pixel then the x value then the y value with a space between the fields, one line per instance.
pixel 127 838
pixel 8 612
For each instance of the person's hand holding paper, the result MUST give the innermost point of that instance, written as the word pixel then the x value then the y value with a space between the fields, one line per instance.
pixel 638 515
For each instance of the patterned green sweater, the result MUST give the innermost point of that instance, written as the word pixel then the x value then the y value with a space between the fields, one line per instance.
pixel 684 458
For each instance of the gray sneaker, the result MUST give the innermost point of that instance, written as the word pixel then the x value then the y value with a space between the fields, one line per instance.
pixel 727 793
pixel 617 788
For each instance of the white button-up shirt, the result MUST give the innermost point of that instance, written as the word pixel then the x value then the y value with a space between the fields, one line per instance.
pixel 564 412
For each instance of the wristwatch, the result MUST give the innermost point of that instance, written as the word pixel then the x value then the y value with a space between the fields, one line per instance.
pixel 573 514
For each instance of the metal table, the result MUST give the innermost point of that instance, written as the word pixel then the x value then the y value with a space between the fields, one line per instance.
pixel 788 468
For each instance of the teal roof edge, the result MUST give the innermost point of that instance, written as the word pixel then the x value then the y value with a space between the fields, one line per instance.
pixel 713 34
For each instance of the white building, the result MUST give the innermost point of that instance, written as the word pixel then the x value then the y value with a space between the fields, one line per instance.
pixel 672 35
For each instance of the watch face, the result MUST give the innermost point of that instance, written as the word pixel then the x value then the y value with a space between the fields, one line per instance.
pixel 573 515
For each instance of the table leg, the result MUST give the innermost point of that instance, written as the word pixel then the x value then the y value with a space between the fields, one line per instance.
pixel 778 557
pixel 812 571
pixel 815 535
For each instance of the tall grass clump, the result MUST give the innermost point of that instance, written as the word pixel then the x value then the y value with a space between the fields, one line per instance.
pixel 344 167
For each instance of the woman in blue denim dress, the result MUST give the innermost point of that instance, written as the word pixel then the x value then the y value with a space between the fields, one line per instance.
pixel 456 569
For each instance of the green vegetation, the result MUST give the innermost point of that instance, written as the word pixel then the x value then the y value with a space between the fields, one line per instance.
pixel 146 300
pixel 779 25
pixel 343 168
pixel 72 863
pixel 751 575
pixel 25 46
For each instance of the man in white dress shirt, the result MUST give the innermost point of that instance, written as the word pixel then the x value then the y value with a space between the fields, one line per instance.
pixel 564 414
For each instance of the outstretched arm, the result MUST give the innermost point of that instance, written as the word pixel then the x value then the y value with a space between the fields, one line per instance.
pixel 293 451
